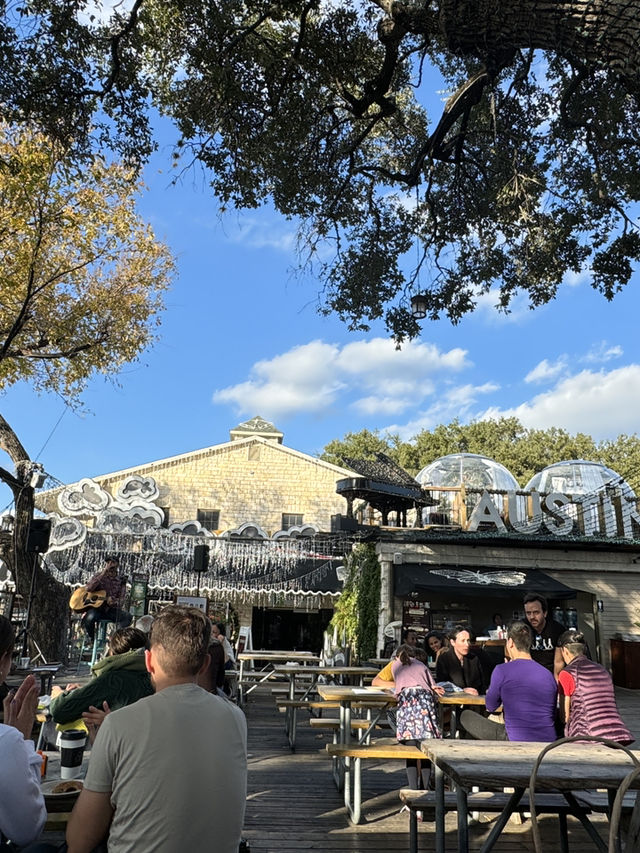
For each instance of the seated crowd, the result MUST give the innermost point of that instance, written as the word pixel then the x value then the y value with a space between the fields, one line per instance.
pixel 168 767
pixel 547 686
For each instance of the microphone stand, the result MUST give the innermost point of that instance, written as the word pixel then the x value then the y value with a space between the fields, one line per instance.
pixel 25 634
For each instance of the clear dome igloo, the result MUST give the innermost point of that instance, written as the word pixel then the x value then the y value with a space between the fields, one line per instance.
pixel 469 469
pixel 458 469
pixel 576 477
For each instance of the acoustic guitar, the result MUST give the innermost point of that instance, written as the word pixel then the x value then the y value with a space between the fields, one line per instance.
pixel 81 599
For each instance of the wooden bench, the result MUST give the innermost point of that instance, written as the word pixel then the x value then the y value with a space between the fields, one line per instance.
pixel 332 724
pixel 350 756
pixel 483 801
pixel 311 704
pixel 290 708
pixel 284 691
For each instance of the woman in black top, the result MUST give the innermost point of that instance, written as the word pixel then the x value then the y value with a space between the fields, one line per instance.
pixel 459 665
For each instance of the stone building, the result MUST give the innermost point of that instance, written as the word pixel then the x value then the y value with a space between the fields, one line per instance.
pixel 262 509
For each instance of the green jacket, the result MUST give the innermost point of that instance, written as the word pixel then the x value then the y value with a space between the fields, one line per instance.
pixel 120 680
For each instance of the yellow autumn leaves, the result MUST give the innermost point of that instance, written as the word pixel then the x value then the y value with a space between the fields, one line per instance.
pixel 82 275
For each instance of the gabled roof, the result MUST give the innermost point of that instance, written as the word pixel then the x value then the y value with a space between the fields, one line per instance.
pixel 226 447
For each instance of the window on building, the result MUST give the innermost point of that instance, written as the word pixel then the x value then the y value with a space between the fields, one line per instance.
pixel 291 519
pixel 209 518
pixel 254 452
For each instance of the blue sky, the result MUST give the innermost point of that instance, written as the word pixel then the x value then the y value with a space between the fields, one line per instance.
pixel 241 336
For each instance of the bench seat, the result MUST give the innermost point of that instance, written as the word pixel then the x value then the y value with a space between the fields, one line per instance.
pixel 347 766
pixel 484 802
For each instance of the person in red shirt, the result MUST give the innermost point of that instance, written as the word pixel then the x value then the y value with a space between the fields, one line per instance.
pixel 587 698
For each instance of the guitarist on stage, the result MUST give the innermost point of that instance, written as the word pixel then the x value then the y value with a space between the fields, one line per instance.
pixel 112 610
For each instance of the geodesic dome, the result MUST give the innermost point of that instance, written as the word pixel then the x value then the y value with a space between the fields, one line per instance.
pixel 576 477
pixel 469 469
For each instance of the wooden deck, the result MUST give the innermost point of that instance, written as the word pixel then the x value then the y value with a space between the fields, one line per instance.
pixel 293 804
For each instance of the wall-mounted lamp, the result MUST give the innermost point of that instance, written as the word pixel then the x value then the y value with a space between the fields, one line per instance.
pixel 419 306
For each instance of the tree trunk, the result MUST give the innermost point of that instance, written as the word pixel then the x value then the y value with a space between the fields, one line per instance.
pixel 48 618
pixel 599 33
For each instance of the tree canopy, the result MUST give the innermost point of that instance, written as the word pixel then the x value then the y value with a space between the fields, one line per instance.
pixel 82 278
pixel 522 451
pixel 527 173
pixel 81 274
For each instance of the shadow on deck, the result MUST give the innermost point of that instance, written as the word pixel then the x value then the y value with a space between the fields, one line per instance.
pixel 293 803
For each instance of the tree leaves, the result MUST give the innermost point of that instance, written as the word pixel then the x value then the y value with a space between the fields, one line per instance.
pixel 82 275
pixel 529 171
pixel 522 451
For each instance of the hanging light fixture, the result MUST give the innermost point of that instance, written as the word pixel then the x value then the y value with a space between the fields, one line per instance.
pixel 419 306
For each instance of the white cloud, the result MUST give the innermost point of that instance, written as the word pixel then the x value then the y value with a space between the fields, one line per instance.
pixel 602 353
pixel 546 370
pixel 311 377
pixel 264 233
pixel 575 279
pixel 456 402
pixel 381 405
pixel 597 403
pixel 486 307
pixel 302 379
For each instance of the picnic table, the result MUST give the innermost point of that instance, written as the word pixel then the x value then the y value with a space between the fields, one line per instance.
pixel 59 807
pixel 372 698
pixel 456 702
pixel 270 658
pixel 494 765
pixel 308 677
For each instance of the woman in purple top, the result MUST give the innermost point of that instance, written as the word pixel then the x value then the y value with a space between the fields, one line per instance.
pixel 417 715
pixel 525 689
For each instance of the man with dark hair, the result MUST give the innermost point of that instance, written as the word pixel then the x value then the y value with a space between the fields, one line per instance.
pixel 169 772
pixel 546 633
pixel 109 581
pixel 526 691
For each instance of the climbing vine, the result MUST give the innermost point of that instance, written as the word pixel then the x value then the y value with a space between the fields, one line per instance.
pixel 356 614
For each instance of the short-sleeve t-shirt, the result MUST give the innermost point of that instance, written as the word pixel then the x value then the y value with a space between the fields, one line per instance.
pixel 528 694
pixel 176 766
pixel 566 683
pixel 386 673
pixel 543 646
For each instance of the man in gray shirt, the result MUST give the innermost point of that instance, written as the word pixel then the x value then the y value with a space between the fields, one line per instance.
pixel 169 772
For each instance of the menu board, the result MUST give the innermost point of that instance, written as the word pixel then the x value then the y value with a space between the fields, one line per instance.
pixel 416 615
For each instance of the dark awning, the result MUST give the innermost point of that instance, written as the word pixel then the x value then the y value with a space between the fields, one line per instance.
pixel 468 580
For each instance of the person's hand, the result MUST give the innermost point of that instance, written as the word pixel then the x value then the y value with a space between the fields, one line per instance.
pixel 439 690
pixel 94 717
pixel 71 687
pixel 20 707
pixel 471 691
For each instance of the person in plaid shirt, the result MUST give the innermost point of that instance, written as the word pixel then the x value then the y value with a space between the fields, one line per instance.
pixel 113 608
